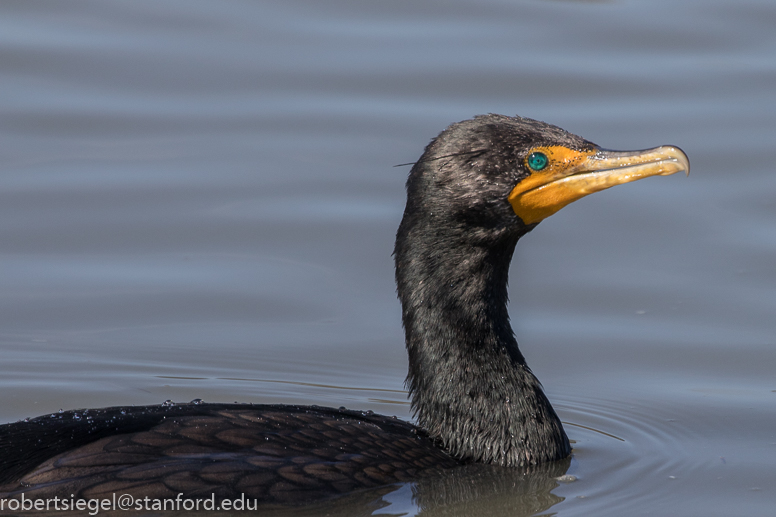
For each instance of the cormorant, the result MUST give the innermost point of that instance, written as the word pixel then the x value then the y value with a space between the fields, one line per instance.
pixel 478 187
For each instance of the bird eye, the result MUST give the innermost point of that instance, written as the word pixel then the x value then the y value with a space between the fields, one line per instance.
pixel 537 161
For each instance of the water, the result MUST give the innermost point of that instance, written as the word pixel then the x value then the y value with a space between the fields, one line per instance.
pixel 198 200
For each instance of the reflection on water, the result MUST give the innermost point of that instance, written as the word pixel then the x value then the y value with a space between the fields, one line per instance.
pixel 490 490
pixel 198 200
pixel 465 491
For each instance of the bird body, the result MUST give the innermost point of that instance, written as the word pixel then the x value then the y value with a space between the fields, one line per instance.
pixel 477 189
pixel 277 454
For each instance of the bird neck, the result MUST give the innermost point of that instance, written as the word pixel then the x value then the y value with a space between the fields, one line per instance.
pixel 469 384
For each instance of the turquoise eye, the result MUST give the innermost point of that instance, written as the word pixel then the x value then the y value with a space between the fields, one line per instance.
pixel 537 161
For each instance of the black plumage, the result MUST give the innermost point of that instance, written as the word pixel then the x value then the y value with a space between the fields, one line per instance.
pixel 274 453
pixel 474 397
pixel 469 384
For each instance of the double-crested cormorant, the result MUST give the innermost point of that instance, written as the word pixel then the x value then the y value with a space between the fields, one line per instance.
pixel 478 187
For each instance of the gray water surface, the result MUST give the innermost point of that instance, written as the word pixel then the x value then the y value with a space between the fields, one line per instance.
pixel 199 200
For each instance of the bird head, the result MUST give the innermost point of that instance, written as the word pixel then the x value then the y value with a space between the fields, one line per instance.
pixel 495 175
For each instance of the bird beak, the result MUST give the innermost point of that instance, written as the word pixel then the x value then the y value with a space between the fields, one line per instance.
pixel 571 175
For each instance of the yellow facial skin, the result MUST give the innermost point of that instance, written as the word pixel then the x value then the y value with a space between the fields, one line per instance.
pixel 571 175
